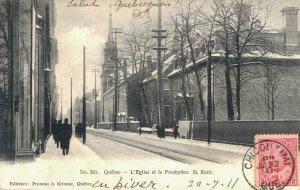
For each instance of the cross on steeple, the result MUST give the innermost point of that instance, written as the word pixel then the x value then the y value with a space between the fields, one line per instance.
pixel 110 38
pixel 110 8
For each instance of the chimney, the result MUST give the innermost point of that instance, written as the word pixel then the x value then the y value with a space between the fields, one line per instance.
pixel 149 65
pixel 290 28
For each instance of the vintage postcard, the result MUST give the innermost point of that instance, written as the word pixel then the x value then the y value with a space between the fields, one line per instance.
pixel 149 94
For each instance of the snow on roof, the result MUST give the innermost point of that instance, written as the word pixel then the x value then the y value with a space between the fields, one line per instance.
pixel 154 73
pixel 252 54
pixel 272 55
pixel 168 62
pixel 272 31
pixel 152 77
pixel 166 65
pixel 176 71
pixel 187 95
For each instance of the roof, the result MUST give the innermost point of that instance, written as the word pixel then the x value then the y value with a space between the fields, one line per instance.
pixel 190 65
pixel 166 65
pixel 254 54
pixel 187 95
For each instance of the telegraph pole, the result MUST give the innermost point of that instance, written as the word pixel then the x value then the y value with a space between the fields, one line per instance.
pixel 61 94
pixel 95 93
pixel 116 32
pixel 159 48
pixel 84 100
pixel 71 121
pixel 209 93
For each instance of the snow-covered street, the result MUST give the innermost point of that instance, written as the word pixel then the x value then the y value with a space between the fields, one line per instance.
pixel 121 160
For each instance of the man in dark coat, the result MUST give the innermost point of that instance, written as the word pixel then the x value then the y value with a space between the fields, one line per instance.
pixel 59 133
pixel 79 129
pixel 76 130
pixel 175 131
pixel 66 136
pixel 55 131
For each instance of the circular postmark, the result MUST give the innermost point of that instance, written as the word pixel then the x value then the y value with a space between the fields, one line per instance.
pixel 268 164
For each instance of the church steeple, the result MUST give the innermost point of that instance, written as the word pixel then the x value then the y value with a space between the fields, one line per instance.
pixel 110 38
pixel 176 39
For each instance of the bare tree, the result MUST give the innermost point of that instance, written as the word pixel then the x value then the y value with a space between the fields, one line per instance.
pixel 181 59
pixel 273 80
pixel 240 32
pixel 188 12
pixel 223 13
pixel 246 25
pixel 137 43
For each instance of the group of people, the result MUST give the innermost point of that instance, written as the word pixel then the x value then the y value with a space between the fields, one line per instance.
pixel 79 130
pixel 62 133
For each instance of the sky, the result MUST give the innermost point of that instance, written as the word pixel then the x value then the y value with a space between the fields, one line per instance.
pixel 88 26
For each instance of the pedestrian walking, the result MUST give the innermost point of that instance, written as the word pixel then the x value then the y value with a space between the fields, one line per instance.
pixel 55 132
pixel 76 130
pixel 175 131
pixel 58 133
pixel 80 129
pixel 66 136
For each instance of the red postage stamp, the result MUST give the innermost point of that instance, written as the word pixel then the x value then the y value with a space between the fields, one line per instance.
pixel 276 160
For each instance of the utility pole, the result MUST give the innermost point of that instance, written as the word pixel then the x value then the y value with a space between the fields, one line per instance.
pixel 116 32
pixel 84 100
pixel 159 48
pixel 71 116
pixel 209 94
pixel 61 94
pixel 95 94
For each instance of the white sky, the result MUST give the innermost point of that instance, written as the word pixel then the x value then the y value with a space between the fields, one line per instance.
pixel 88 26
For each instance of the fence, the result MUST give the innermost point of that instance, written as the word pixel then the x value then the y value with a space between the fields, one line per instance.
pixel 238 132
pixel 121 126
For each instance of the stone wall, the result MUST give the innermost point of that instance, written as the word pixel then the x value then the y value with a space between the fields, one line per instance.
pixel 132 127
pixel 243 132
pixel 254 95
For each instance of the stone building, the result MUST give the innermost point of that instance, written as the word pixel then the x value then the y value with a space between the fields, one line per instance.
pixel 271 90
pixel 29 94
pixel 270 93
pixel 129 88
pixel 137 94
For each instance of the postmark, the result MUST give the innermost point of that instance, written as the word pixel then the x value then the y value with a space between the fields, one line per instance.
pixel 271 163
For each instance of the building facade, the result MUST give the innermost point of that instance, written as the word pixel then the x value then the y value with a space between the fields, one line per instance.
pixel 270 91
pixel 29 94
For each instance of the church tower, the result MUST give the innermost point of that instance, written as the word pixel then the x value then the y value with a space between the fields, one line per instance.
pixel 109 51
pixel 108 65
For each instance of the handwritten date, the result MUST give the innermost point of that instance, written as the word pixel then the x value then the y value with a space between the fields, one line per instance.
pixel 215 184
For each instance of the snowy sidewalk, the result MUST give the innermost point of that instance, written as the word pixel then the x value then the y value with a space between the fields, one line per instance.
pixel 51 170
pixel 77 151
